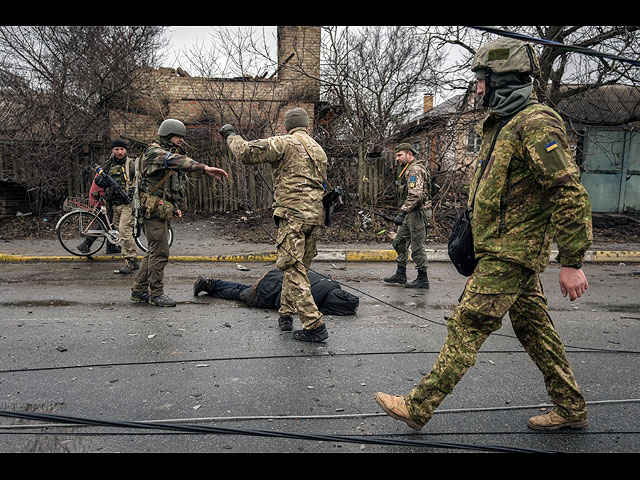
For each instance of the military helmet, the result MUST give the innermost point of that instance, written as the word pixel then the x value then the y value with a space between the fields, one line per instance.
pixel 172 127
pixel 506 55
pixel 296 117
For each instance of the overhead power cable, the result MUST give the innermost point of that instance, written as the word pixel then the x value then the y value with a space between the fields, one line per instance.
pixel 557 45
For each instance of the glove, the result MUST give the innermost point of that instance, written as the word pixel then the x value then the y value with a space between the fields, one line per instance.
pixel 399 218
pixel 226 130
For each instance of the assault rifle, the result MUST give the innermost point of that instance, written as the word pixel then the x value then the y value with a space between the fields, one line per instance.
pixel 329 201
pixel 105 181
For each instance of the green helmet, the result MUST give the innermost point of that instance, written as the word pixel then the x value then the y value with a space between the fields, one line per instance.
pixel 506 55
pixel 172 127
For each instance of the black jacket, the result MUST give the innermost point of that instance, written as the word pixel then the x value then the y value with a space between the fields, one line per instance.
pixel 329 297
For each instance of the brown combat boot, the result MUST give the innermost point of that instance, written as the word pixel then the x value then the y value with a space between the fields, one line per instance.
pixel 396 407
pixel 552 421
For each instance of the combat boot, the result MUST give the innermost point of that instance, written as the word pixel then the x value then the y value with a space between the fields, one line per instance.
pixel 421 282
pixel 399 277
pixel 396 407
pixel 162 301
pixel 130 264
pixel 552 421
pixel 201 285
pixel 318 334
pixel 112 249
pixel 85 246
pixel 285 322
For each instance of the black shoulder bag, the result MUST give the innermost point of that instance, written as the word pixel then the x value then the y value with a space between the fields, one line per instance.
pixel 460 246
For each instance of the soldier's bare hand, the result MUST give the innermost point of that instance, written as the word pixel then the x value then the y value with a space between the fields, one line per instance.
pixel 217 173
pixel 573 282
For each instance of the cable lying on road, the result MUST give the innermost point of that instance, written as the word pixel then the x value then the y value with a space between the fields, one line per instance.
pixel 264 433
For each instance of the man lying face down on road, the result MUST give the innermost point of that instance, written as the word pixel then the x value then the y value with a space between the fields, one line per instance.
pixel 329 297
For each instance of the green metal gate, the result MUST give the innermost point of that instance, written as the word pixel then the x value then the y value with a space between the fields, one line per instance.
pixel 611 170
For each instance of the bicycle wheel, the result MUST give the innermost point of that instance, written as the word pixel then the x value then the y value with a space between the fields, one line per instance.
pixel 142 243
pixel 80 228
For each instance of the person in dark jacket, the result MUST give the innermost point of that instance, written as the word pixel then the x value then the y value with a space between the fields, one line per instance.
pixel 327 294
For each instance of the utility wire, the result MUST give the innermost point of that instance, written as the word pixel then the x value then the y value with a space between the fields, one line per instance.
pixel 557 45
pixel 266 433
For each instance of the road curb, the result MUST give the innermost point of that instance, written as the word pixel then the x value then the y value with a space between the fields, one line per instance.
pixel 433 255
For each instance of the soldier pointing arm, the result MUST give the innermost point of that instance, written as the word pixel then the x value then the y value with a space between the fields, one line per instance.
pixel 299 171
pixel 162 191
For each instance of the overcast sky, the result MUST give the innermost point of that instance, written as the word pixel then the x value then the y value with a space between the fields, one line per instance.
pixel 183 38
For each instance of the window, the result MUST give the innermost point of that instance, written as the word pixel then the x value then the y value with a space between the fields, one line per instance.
pixel 473 141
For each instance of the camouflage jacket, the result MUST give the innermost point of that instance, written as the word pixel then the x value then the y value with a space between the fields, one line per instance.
pixel 416 188
pixel 160 158
pixel 530 192
pixel 299 177
pixel 117 169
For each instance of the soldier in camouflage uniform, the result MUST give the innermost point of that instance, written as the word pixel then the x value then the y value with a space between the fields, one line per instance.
pixel 120 167
pixel 413 219
pixel 161 191
pixel 300 173
pixel 116 167
pixel 529 192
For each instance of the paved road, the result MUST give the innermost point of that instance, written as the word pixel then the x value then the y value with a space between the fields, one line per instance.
pixel 72 344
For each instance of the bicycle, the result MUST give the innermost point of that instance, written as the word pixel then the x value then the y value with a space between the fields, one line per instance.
pixel 91 222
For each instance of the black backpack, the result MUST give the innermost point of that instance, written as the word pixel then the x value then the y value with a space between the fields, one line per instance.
pixel 460 244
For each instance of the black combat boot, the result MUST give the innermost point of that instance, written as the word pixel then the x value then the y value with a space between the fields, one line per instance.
pixel 399 277
pixel 112 249
pixel 201 285
pixel 85 246
pixel 421 282
pixel 318 334
pixel 285 322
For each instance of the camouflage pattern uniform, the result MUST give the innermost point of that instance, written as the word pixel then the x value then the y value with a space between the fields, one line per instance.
pixel 299 173
pixel 529 192
pixel 122 216
pixel 160 158
pixel 417 205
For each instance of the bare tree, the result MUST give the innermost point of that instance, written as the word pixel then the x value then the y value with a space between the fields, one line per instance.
pixel 564 73
pixel 375 75
pixel 58 85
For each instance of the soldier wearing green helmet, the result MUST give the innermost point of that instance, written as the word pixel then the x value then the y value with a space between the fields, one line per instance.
pixel 527 190
pixel 164 164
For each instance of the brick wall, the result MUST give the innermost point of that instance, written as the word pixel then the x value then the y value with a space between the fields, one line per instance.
pixel 203 102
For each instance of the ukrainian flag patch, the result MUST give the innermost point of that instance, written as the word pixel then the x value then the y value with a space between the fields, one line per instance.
pixel 551 146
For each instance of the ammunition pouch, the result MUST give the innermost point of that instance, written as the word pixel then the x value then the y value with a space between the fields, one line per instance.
pixel 399 246
pixel 152 206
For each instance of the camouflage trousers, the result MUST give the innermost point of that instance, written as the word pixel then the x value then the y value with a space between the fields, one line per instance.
pixel 495 289
pixel 123 220
pixel 296 247
pixel 412 232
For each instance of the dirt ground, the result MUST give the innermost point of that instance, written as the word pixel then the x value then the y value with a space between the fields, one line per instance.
pixel 349 225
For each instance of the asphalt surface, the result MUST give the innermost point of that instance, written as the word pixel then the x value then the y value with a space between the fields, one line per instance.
pixel 74 345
